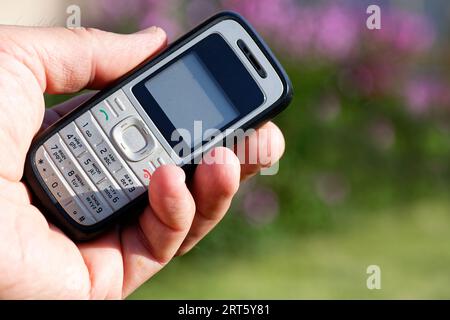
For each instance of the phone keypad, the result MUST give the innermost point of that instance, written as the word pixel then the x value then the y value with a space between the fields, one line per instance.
pixel 61 156
pixel 59 188
pixel 85 167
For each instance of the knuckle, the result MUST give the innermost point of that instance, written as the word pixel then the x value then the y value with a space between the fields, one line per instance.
pixel 178 214
pixel 227 188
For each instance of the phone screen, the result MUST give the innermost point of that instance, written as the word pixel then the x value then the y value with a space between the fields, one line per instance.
pixel 198 96
pixel 207 83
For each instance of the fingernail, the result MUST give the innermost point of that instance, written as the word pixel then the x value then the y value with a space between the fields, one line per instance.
pixel 182 176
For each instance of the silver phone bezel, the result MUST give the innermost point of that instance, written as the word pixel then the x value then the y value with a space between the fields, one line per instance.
pixel 231 31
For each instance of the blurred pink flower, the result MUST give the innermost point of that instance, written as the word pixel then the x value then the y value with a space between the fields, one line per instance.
pixel 266 14
pixel 370 76
pixel 279 21
pixel 331 188
pixel 170 25
pixel 163 14
pixel 423 94
pixel 299 43
pixel 406 31
pixel 297 29
pixel 329 29
pixel 337 31
pixel 260 206
pixel 146 12
pixel 199 10
pixel 118 9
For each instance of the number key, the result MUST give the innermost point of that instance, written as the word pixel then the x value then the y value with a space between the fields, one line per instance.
pixel 89 128
pixel 91 167
pixel 108 157
pixel 72 137
pixel 128 183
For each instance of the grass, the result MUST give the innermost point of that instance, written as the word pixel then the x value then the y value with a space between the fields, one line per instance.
pixel 409 243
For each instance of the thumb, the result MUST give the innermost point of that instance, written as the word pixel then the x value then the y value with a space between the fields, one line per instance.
pixel 68 60
pixel 56 60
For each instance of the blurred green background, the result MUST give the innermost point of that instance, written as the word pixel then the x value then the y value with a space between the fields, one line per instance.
pixel 365 179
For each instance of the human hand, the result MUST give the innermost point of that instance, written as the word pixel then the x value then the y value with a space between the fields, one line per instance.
pixel 36 259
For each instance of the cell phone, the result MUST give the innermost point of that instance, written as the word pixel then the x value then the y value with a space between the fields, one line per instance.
pixel 94 165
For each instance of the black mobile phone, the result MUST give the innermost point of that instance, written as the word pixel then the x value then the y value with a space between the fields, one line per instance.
pixel 95 164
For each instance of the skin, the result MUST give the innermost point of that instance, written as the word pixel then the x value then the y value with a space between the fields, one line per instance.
pixel 37 260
